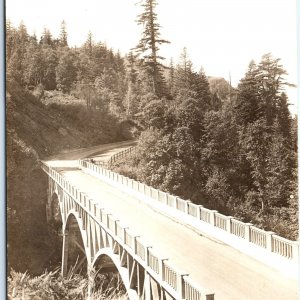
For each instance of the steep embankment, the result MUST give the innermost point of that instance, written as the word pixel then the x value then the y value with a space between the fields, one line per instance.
pixel 35 131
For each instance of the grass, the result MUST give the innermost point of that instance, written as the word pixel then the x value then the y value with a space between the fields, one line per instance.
pixel 51 285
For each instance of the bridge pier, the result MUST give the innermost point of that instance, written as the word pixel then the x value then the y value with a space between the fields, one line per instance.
pixel 49 200
pixel 91 278
pixel 65 252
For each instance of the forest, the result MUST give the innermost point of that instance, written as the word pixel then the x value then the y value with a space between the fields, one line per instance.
pixel 233 149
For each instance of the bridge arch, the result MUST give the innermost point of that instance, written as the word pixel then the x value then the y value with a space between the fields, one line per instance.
pixel 106 260
pixel 75 250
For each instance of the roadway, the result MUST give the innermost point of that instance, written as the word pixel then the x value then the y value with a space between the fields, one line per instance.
pixel 217 267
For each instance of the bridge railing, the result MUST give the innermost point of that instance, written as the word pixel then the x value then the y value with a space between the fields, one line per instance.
pixel 115 157
pixel 192 291
pixel 267 240
pixel 177 282
pixel 282 246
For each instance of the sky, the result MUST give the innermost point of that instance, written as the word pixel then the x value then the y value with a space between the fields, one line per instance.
pixel 222 36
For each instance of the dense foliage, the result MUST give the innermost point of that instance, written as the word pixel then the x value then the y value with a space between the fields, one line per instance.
pixel 50 106
pixel 236 153
pixel 51 285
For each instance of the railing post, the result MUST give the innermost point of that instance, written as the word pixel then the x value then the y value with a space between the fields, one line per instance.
pixel 161 268
pixel 165 198
pixel 124 235
pixel 186 208
pixel 199 211
pixel 134 244
pixel 98 212
pixel 247 231
pixel 176 202
pixel 147 254
pixel 90 204
pixel 295 249
pixel 84 200
pixel 228 223
pixel 180 285
pixel 107 221
pixel 269 235
pixel 212 217
pixel 115 229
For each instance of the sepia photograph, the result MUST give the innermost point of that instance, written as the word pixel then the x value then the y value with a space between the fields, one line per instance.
pixel 151 150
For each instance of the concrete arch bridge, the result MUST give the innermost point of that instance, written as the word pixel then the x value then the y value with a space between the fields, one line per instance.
pixel 162 247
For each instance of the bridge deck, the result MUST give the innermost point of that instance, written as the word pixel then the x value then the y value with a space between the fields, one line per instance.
pixel 216 266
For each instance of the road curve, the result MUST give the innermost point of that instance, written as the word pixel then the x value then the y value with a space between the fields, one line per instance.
pixel 105 150
pixel 230 274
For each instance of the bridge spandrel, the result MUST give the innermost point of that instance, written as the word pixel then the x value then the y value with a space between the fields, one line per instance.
pixel 216 266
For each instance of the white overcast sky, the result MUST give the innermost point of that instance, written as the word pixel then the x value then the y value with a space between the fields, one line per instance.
pixel 220 35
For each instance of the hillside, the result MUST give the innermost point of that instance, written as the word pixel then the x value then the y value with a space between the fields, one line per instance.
pixel 34 131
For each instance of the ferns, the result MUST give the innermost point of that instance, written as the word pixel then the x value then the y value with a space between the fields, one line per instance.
pixel 52 286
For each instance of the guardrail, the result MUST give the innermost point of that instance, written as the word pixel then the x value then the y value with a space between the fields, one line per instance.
pixel 176 283
pixel 263 239
pixel 114 157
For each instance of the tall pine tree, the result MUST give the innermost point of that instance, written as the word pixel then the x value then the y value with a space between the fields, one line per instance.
pixel 63 36
pixel 149 45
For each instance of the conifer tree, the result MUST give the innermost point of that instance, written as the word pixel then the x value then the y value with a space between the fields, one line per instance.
pixel 46 38
pixel 89 43
pixel 131 76
pixel 271 82
pixel 284 117
pixel 150 42
pixel 10 40
pixel 201 86
pixel 183 76
pixel 20 41
pixel 248 108
pixel 171 77
pixel 216 103
pixel 63 36
pixel 33 65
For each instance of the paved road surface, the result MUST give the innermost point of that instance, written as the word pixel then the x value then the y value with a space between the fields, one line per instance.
pixel 216 266
pixel 102 152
